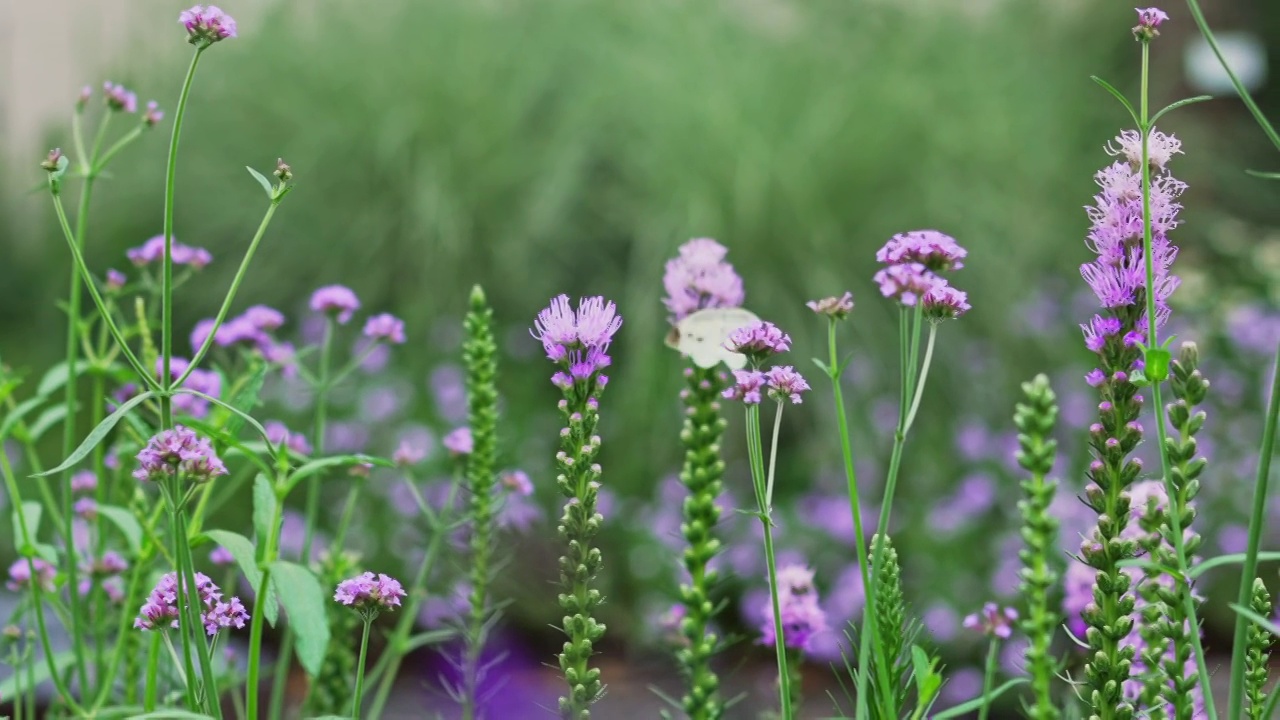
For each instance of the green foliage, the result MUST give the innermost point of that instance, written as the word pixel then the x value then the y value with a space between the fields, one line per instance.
pixel 331 691
pixel 301 595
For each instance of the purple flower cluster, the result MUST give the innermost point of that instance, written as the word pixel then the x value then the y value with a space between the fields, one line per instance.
pixel 221 556
pixel 1118 276
pixel 160 611
pixel 253 328
pixel 802 616
pixel 153 115
pixel 913 261
pixel 152 251
pixel 370 593
pixel 339 301
pixel 207 25
pixel 178 451
pixel 459 441
pixel 385 327
pixel 699 278
pixel 202 381
pixel 119 97
pixel 780 382
pixel 758 341
pixel 279 434
pixel 84 481
pixel 577 341
pixel 20 574
pixel 993 621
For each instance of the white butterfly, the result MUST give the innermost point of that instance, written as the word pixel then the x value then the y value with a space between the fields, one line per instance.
pixel 701 336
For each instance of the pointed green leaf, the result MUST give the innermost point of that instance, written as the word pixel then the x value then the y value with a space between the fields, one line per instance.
pixel 126 523
pixel 300 593
pixel 431 637
pixel 50 417
pixel 1257 619
pixel 1119 96
pixel 1264 175
pixel 99 433
pixel 171 714
pixel 320 464
pixel 262 180
pixel 977 702
pixel 13 418
pixel 1178 104
pixel 264 509
pixel 40 673
pixel 1233 559
pixel 246 400
pixel 822 366
pixel 246 558
pixel 31 512
pixel 56 377
pixel 236 411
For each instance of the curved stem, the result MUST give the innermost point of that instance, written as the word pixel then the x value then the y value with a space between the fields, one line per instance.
pixel 1261 119
pixel 119 145
pixel 773 457
pixel 255 645
pixel 1176 504
pixel 924 375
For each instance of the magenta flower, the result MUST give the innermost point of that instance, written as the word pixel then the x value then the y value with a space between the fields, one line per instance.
pixel 20 574
pixel 263 318
pixel 86 507
pixel 152 251
pixel 279 434
pixel 110 564
pixel 337 300
pixel 943 302
pixel 934 250
pixel 82 99
pixel 153 115
pixel 203 381
pixel 370 594
pixel 993 621
pixel 699 278
pixel 1149 19
pixel 459 441
pixel 837 308
pixel 160 611
pixel 119 97
pixel 410 453
pixel 758 341
pixel 746 387
pixel 802 616
pixel 516 482
pixel 84 481
pixel 907 282
pixel 785 383
pixel 221 556
pixel 578 341
pixel 385 327
pixel 115 280
pixel 207 25
pixel 178 451
pixel 795 581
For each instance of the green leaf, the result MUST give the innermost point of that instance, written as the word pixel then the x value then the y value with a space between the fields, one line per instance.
pixel 246 557
pixel 262 180
pixel 40 673
pixel 977 702
pixel 822 366
pixel 128 525
pixel 1119 96
pixel 264 509
pixel 1264 175
pixel 56 377
pixel 1257 619
pixel 246 399
pixel 236 411
pixel 97 434
pixel 50 417
pixel 1233 559
pixel 171 714
pixel 31 511
pixel 320 464
pixel 302 596
pixel 431 637
pixel 15 417
pixel 1181 103
pixel 250 451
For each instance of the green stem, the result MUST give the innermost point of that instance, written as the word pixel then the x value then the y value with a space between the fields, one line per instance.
pixel 773 457
pixel 855 508
pixel 231 294
pixel 924 374
pixel 348 512
pixel 988 678
pixel 1257 520
pixel 364 650
pixel 766 519
pixel 183 591
pixel 1175 514
pixel 255 645
pixel 152 690
pixel 1261 119
pixel 119 145
pixel 197 627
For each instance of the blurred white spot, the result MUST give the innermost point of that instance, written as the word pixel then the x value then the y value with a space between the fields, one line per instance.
pixel 1243 51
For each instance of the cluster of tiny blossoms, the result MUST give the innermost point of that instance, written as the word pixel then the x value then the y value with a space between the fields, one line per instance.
pixel 178 451
pixel 758 341
pixel 914 261
pixel 994 621
pixel 151 252
pixel 699 278
pixel 160 611
pixel 577 341
pixel 369 593
pixel 802 616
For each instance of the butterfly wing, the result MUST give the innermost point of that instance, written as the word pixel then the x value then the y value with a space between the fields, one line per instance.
pixel 701 336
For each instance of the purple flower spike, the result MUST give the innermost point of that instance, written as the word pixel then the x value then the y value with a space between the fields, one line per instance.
pixel 758 341
pixel 370 594
pixel 577 341
pixel 459 441
pixel 837 308
pixel 337 300
pixel 785 383
pixel 699 278
pixel 178 450
pixel 934 250
pixel 207 25
pixel 385 327
pixel 993 621
pixel 906 283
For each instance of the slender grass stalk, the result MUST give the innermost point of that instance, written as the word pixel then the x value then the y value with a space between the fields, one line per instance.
pixel 152 689
pixel 1254 110
pixel 259 613
pixel 1175 520
pixel 989 678
pixel 364 651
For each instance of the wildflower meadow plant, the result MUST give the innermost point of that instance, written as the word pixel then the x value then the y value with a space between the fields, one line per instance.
pixel 119 550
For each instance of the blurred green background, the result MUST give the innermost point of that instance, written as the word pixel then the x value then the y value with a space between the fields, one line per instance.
pixel 571 145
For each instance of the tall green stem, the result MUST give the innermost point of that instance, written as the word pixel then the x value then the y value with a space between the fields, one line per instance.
pixel 259 613
pixel 988 678
pixel 1261 119
pixel 755 451
pixel 1175 515
pixel 364 651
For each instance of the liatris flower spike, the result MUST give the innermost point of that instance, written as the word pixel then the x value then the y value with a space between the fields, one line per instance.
pixel 207 25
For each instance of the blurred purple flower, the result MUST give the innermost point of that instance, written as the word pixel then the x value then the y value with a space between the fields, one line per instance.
pixel 699 278
pixel 336 300
pixel 152 251
pixel 459 441
pixel 385 327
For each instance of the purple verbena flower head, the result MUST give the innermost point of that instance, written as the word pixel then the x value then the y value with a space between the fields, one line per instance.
pixel 152 251
pixel 337 300
pixel 699 278
pixel 178 450
pixel 746 387
pixel 111 563
pixel 516 482
pixel 153 114
pixel 936 251
pixel 1149 19
pixel 370 594
pixel 943 302
pixel 795 581
pixel 993 621
pixel 802 616
pixel 385 327
pixel 264 318
pixel 221 556
pixel 836 308
pixel 207 25
pixel 115 280
pixel 906 282
pixel 758 341
pixel 160 611
pixel 84 481
pixel 202 381
pixel 86 508
pixel 82 99
pixel 20 574
pixel 459 441
pixel 785 383
pixel 409 452
pixel 279 434
pixel 119 97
